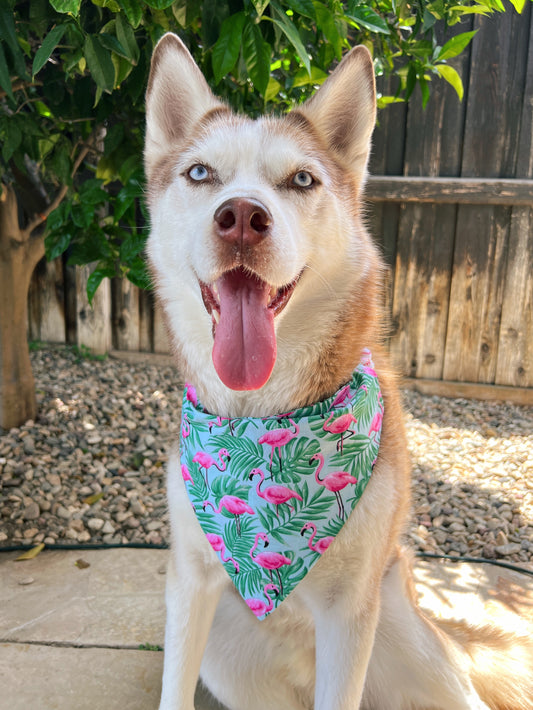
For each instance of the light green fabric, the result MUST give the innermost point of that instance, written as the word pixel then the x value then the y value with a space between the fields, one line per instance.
pixel 271 494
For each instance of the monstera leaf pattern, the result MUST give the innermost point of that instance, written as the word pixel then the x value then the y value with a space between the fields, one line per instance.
pixel 272 494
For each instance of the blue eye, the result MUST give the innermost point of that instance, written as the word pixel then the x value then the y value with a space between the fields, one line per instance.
pixel 303 179
pixel 198 173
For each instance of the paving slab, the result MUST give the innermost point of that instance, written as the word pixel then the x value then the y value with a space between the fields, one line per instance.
pixel 109 597
pixel 41 677
pixel 70 632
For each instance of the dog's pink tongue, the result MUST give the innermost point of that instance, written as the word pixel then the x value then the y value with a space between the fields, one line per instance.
pixel 244 352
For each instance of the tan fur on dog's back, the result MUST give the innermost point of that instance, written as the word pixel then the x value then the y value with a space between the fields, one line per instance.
pixel 501 663
pixel 351 634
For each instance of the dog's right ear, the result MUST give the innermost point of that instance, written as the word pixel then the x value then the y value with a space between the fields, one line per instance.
pixel 176 99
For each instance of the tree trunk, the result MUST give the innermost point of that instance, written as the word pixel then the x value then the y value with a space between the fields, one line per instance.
pixel 19 254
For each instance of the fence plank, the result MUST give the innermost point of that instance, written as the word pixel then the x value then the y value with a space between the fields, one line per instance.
pixel 495 90
pixel 515 349
pixel 146 318
pixel 93 322
pixel 161 342
pixel 425 235
pixel 125 308
pixel 441 190
pixel 46 303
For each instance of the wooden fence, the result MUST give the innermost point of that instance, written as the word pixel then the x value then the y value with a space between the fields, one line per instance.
pixel 451 203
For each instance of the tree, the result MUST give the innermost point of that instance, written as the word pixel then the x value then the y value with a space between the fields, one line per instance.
pixel 72 79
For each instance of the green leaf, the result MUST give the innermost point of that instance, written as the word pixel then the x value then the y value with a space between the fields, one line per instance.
pixel 452 77
pixel 31 553
pixel 5 79
pixel 455 45
pixel 303 7
pixel 133 11
pixel 56 243
pixel 228 46
pixel 411 81
pixel 424 88
pixel 90 246
pixel 369 19
pixel 384 101
pixel 71 6
pixel 326 22
pixel 8 33
pixel 474 10
pixel 110 42
pixel 260 6
pixel 290 31
pixel 256 54
pixel 101 272
pixel 99 63
pixel 139 274
pixel 12 139
pixel 132 246
pixel 126 37
pixel 48 45
pixel 58 217
pixel 91 192
pixel 518 5
pixel 125 198
pixel 159 4
pixel 302 78
pixel 273 88
pixel 113 138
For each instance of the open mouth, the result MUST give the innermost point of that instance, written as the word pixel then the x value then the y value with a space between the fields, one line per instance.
pixel 243 307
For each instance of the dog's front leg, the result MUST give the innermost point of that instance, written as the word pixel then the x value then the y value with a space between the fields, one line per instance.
pixel 344 641
pixel 191 606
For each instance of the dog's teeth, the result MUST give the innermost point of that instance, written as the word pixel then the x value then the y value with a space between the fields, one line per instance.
pixel 273 293
pixel 216 315
pixel 214 288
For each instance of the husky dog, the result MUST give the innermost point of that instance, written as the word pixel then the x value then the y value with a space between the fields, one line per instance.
pixel 272 288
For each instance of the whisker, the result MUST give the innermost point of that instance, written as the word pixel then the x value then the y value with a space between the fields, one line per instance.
pixel 332 292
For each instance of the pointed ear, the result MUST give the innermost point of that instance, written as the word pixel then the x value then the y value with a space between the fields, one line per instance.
pixel 176 99
pixel 344 109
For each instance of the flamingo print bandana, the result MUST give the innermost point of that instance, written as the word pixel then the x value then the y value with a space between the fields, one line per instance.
pixel 272 493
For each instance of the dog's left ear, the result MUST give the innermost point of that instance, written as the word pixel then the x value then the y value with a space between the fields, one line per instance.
pixel 344 109
pixel 176 99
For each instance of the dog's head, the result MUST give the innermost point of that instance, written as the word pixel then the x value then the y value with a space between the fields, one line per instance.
pixel 256 242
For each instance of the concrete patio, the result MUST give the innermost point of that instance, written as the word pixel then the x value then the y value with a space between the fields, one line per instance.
pixel 75 626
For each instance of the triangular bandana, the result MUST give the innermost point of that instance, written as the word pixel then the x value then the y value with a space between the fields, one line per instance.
pixel 271 494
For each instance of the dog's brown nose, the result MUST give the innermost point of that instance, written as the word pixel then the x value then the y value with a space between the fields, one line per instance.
pixel 242 220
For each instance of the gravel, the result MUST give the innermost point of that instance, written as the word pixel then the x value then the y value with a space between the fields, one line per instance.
pixel 91 469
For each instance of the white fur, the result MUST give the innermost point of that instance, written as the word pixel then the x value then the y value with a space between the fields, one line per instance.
pixel 349 636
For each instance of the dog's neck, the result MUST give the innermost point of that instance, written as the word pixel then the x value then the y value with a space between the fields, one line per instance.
pixel 306 371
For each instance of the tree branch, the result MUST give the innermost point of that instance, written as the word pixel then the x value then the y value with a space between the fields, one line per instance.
pixel 40 218
pixel 18 85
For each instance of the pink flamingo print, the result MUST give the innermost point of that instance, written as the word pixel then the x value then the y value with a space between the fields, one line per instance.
pixel 219 421
pixel 186 474
pixel 375 426
pixel 333 482
pixel 185 427
pixel 277 495
pixel 258 606
pixel 269 560
pixel 204 460
pixel 340 425
pixel 319 546
pixel 217 543
pixel 276 438
pixel 191 395
pixel 235 506
pixel 341 397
